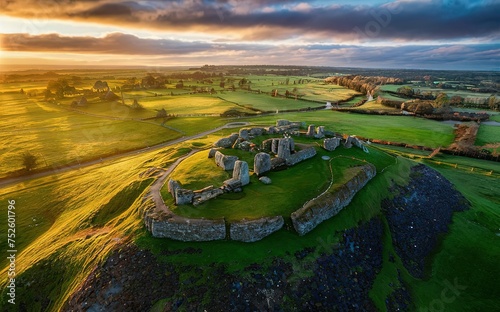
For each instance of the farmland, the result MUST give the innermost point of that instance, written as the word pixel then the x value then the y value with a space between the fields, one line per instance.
pixel 69 223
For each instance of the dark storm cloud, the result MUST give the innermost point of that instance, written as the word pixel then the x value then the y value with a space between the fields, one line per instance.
pixel 280 19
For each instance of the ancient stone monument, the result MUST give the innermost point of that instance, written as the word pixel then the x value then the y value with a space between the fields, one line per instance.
pixel 262 163
pixel 165 223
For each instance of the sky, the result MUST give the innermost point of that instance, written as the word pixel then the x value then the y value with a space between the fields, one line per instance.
pixel 426 34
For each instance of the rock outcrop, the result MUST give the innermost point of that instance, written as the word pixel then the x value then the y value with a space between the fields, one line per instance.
pixel 262 163
pixel 224 161
pixel 330 203
pixel 254 230
pixel 331 144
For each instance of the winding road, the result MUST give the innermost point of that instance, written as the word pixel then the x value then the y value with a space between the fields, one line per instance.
pixel 63 169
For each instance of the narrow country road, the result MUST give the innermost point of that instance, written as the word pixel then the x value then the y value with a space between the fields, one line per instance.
pixel 63 169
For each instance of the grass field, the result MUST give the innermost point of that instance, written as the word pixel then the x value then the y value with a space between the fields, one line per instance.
pixel 58 137
pixel 488 135
pixel 449 92
pixel 193 104
pixel 265 102
pixel 375 106
pixel 410 130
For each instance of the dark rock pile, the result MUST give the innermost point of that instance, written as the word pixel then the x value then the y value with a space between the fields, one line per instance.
pixel 419 214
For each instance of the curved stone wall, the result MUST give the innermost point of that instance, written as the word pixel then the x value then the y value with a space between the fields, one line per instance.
pixel 254 230
pixel 327 205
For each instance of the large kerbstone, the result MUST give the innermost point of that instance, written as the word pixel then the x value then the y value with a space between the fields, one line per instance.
pixel 244 133
pixel 183 196
pixel 241 172
pixel 224 161
pixel 262 163
pixel 284 147
pixel 320 133
pixel 331 144
pixel 173 185
pixel 300 156
pixel 227 142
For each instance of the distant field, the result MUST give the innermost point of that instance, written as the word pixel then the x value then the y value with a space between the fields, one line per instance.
pixel 488 135
pixel 58 137
pixel 265 102
pixel 410 130
pixel 374 105
pixel 450 92
pixel 194 104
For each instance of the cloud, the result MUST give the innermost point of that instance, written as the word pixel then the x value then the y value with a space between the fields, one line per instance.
pixel 115 43
pixel 400 20
pixel 149 51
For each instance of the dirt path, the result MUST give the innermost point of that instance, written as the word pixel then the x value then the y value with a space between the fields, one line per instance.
pixel 63 169
pixel 156 187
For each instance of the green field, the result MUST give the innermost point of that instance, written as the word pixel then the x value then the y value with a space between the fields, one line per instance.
pixel 58 137
pixel 488 135
pixel 449 92
pixel 410 130
pixel 265 102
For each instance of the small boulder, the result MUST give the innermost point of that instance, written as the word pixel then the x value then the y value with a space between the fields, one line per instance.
pixel 331 144
pixel 265 180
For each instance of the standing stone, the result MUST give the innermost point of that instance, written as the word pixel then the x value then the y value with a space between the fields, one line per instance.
pixel 282 122
pixel 225 162
pixel 262 163
pixel 274 146
pixel 310 131
pixel 267 145
pixel 173 185
pixel 331 144
pixel 244 133
pixel 321 132
pixel 183 196
pixel 241 172
pixel 284 148
pixel 348 142
pixel 211 153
